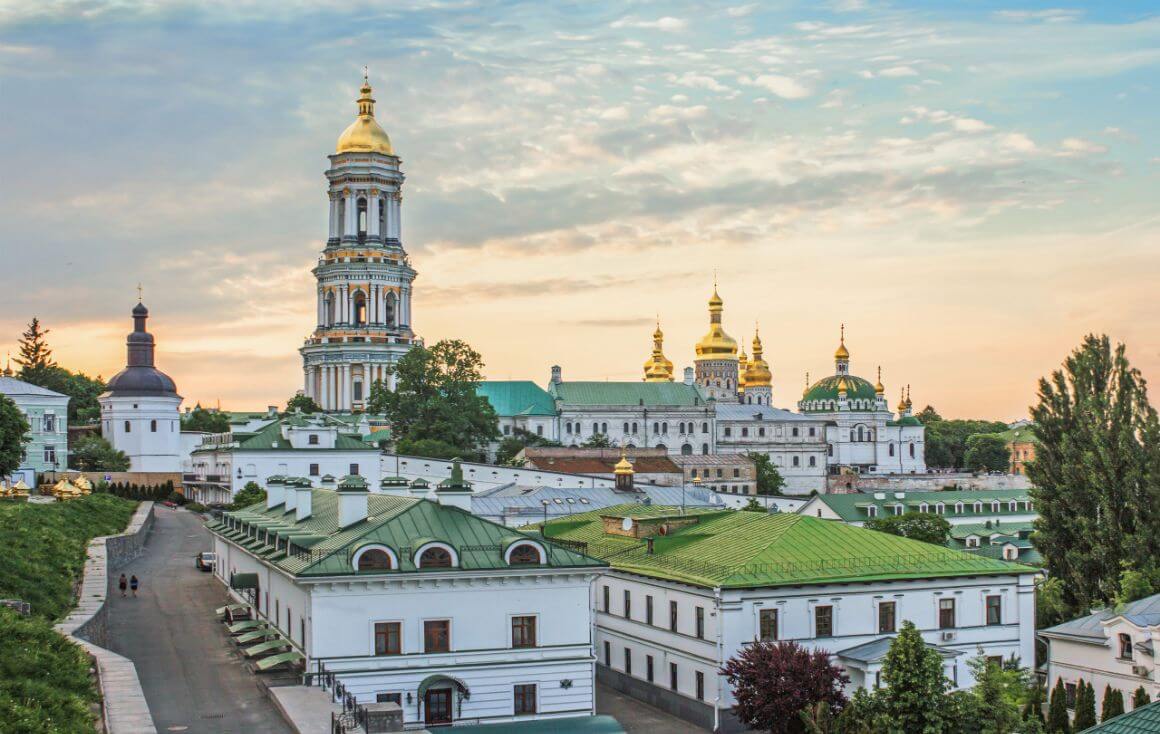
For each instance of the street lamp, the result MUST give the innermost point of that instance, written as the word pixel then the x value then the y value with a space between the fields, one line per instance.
pixel 545 530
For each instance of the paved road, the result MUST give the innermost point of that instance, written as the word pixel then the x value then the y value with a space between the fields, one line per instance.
pixel 637 717
pixel 192 679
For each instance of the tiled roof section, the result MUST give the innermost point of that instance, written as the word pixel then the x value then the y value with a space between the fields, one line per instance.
pixel 322 548
pixel 12 386
pixel 751 549
pixel 269 438
pixel 981 529
pixel 1143 720
pixel 654 394
pixel 712 460
pixel 1142 612
pixel 513 501
pixel 875 650
pixel 603 465
pixel 756 413
pixel 852 507
pixel 510 398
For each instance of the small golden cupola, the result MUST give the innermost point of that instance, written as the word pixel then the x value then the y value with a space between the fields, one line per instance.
pixel 742 366
pixel 879 388
pixel 902 400
pixel 365 135
pixel 716 344
pixel 658 368
pixel 842 355
pixel 623 473
pixel 758 374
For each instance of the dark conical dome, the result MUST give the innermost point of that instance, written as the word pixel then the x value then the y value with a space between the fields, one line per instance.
pixel 140 377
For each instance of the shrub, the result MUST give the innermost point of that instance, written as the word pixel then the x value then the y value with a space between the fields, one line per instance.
pixel 195 507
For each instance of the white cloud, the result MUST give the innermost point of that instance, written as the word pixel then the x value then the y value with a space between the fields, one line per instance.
pixel 615 113
pixel 1018 142
pixel 740 11
pixel 666 112
pixel 700 81
pixel 835 98
pixel 1079 146
pixel 970 125
pixel 530 85
pixel 668 24
pixel 782 86
pixel 897 71
pixel 1050 15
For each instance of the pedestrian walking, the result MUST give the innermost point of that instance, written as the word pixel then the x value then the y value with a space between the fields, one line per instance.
pixel 133 583
pixel 123 584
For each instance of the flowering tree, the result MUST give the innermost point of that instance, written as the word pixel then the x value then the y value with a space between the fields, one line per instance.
pixel 774 681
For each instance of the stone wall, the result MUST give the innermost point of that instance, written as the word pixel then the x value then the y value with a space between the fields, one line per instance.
pixel 844 483
pixel 124 708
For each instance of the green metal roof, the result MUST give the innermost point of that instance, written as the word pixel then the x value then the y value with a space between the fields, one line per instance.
pixel 1022 434
pixel 978 528
pixel 516 397
pixel 852 507
pixel 827 389
pixel 627 393
pixel 400 523
pixel 734 549
pixel 269 438
pixel 1142 720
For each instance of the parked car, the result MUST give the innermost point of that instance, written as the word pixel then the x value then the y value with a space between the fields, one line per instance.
pixel 169 504
pixel 205 560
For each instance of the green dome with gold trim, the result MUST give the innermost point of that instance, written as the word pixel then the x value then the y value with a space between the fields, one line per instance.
pixel 827 389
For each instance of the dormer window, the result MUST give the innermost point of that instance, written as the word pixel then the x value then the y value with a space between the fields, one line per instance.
pixel 978 507
pixel 872 511
pixel 958 508
pixel 524 554
pixel 1125 641
pixel 1012 506
pixel 436 555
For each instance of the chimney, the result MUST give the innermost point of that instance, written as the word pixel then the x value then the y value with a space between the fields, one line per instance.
pixel 454 491
pixel 557 374
pixel 352 500
pixel 305 494
pixel 290 497
pixel 690 376
pixel 879 495
pixel 420 488
pixel 275 491
pixel 271 411
pixel 648 545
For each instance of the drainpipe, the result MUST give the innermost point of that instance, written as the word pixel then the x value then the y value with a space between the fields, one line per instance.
pixel 720 657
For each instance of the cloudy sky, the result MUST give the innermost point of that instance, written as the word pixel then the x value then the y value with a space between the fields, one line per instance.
pixel 969 189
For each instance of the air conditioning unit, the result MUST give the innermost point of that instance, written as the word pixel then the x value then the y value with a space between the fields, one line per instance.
pixel 1140 670
pixel 948 636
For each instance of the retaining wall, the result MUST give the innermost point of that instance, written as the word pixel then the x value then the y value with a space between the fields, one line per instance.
pixel 123 702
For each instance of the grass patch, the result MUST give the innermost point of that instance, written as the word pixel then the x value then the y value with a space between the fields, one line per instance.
pixel 45 685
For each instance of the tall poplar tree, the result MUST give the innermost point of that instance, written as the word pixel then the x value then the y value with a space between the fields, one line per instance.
pixel 1113 703
pixel 1095 473
pixel 1085 706
pixel 1057 722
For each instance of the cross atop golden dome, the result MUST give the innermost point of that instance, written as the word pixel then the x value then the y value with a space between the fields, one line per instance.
pixel 878 387
pixel 842 352
pixel 716 344
pixel 365 135
pixel 658 368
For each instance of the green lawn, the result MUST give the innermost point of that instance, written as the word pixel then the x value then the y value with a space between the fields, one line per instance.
pixel 44 679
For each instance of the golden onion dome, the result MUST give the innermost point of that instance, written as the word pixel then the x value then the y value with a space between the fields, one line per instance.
pixel 843 386
pixel 658 368
pixel 365 135
pixel 842 352
pixel 624 466
pixel 902 400
pixel 879 388
pixel 716 344
pixel 742 365
pixel 757 374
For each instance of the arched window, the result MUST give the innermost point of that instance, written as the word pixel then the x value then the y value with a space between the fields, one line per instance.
pixel 374 559
pixel 153 426
pixel 656 427
pixel 435 557
pixel 813 461
pixel 797 461
pixel 328 308
pixel 912 451
pixel 596 428
pixel 389 311
pixel 686 450
pixel 958 508
pixel 362 218
pixel 360 309
pixel 995 506
pixel 860 437
pixel 128 427
pixel 705 449
pixel 924 507
pixel 892 449
pixel 662 447
pixel 524 554
pixel 871 511
pixel 625 427
pixel 634 427
pixel 382 217
pixel 604 428
pixel 704 427
pixel 940 509
pixel 978 507
pixel 1012 506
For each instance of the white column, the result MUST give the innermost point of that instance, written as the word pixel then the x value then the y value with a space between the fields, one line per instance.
pixel 373 303
pixel 346 387
pixel 396 223
pixel 323 398
pixel 373 215
pixel 334 204
pixel 351 215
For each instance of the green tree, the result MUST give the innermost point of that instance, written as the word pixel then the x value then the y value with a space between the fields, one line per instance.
pixel 91 452
pixel 1113 703
pixel 1057 721
pixel 753 506
pixel 302 403
pixel 208 421
pixel 35 357
pixel 1050 606
pixel 997 691
pixel 946 440
pixel 913 700
pixel 1093 478
pixel 924 526
pixel 596 441
pixel 14 430
pixel 83 391
pixel 251 494
pixel 769 479
pixel 435 398
pixel 1135 585
pixel 431 448
pixel 519 440
pixel 863 714
pixel 1033 703
pixel 1085 706
pixel 928 415
pixel 987 452
pixel 1140 698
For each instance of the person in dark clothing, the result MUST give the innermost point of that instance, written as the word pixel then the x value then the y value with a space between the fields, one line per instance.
pixel 133 583
pixel 123 584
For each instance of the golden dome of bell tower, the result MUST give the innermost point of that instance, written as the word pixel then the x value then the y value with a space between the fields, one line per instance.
pixel 658 368
pixel 716 360
pixel 365 135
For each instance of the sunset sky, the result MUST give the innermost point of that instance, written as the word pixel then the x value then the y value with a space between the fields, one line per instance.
pixel 970 189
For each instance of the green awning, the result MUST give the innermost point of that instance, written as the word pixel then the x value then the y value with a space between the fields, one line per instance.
pixel 244 581
pixel 231 608
pixel 257 634
pixel 246 626
pixel 273 660
pixel 265 647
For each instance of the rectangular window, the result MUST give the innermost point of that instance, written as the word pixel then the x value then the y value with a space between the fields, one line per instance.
pixel 700 686
pixel 1125 641
pixel 648 668
pixel 314 470
pixel 523 631
pixel 767 619
pixel 354 470
pixel 946 613
pixel 1070 689
pixel 886 621
pixel 673 616
pixel 824 621
pixel 627 604
pixel 607 654
pixel 673 676
pixel 49 423
pixel 525 699
pixel 437 635
pixel 606 602
pixel 648 610
pixel 736 473
pixel 49 453
pixel 700 623
pixel 396 698
pixel 388 638
pixel 994 610
pixel 627 661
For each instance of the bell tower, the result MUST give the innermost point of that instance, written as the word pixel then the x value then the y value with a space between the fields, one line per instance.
pixel 364 276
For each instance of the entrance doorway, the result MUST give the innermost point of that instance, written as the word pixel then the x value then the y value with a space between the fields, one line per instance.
pixel 437 703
